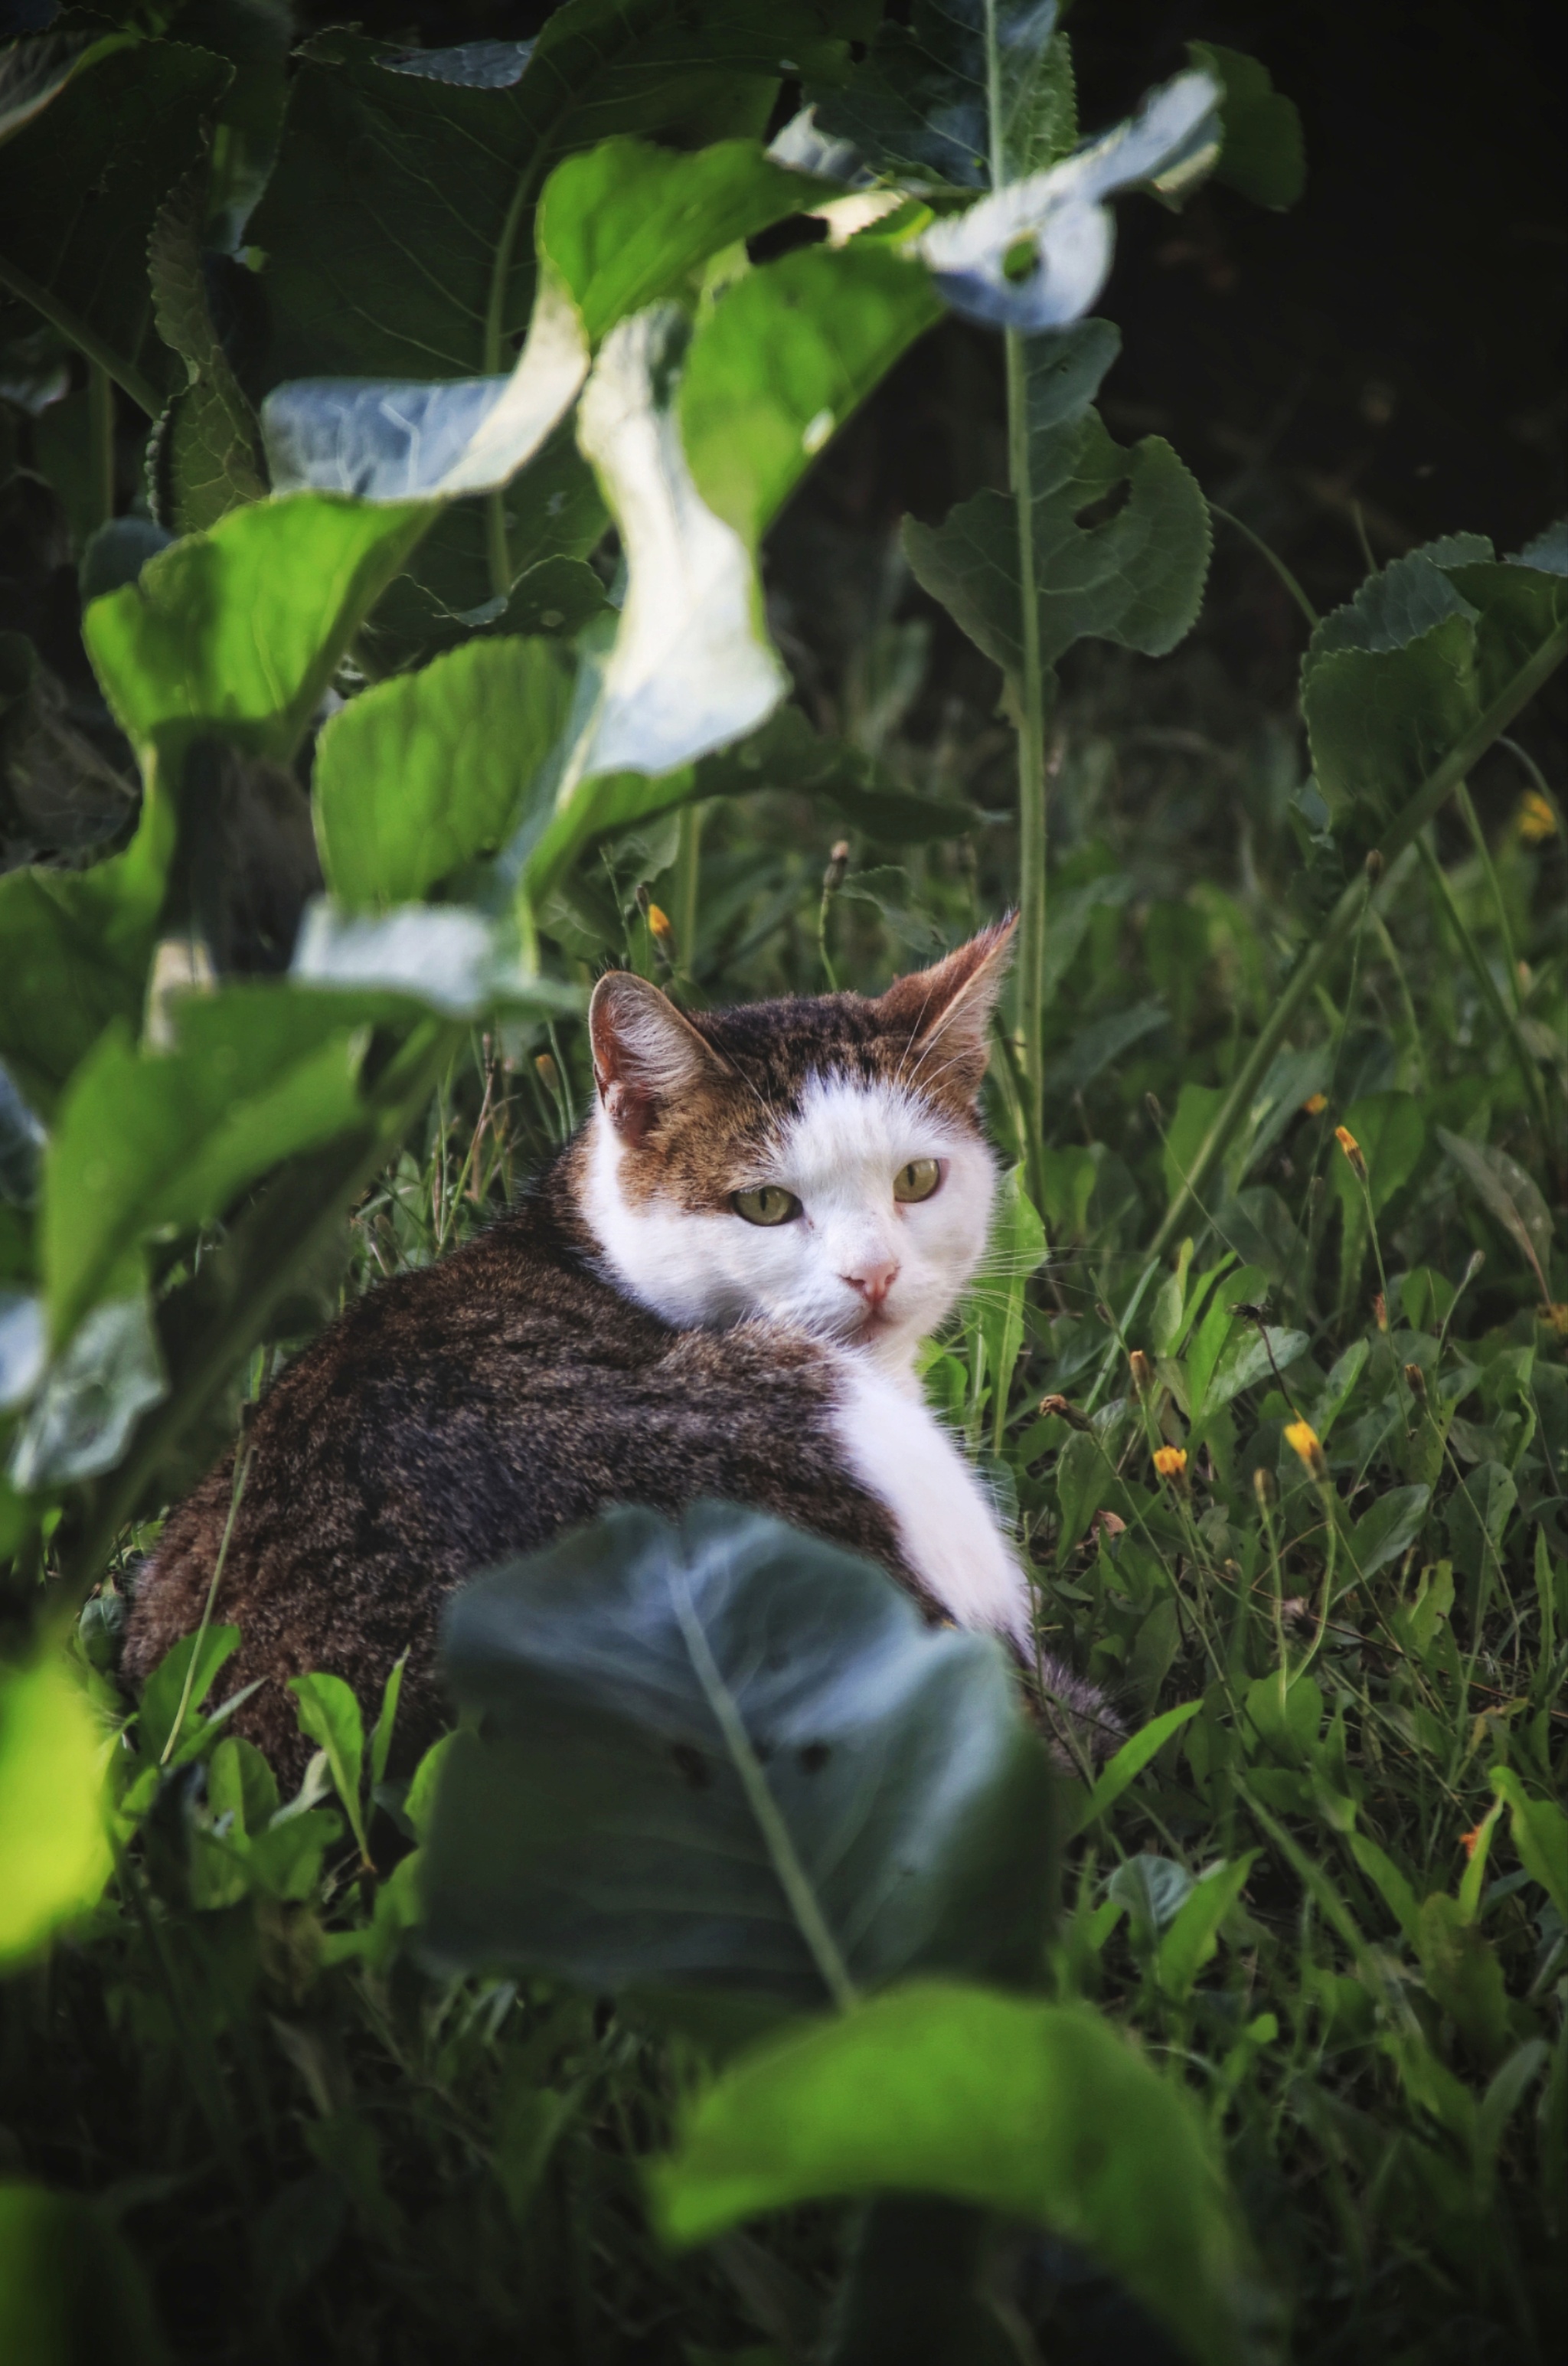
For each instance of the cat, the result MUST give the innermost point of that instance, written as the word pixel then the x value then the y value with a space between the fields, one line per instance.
pixel 716 1290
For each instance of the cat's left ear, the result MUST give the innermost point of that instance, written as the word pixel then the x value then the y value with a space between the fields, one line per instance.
pixel 645 1056
pixel 947 1008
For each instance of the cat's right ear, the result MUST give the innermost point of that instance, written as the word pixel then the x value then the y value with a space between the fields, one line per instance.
pixel 645 1054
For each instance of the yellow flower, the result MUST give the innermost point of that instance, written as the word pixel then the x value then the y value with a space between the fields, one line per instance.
pixel 658 921
pixel 1316 1107
pixel 1556 1315
pixel 1535 818
pixel 1170 1461
pixel 1352 1149
pixel 1304 1440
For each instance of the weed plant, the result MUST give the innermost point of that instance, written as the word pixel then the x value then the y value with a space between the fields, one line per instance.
pixel 1267 1369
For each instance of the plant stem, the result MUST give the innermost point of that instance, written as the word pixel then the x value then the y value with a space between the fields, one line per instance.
pixel 85 339
pixel 1491 993
pixel 1318 957
pixel 1030 690
pixel 100 438
pixel 1275 561
pixel 1478 838
pixel 688 883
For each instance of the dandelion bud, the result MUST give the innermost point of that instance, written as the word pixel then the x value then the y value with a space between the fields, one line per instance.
pixel 548 1073
pixel 1352 1149
pixel 1416 1381
pixel 1265 1487
pixel 1316 1106
pixel 658 921
pixel 1143 1371
pixel 1062 1411
pixel 1170 1461
pixel 1535 821
pixel 1477 1259
pixel 1304 1440
pixel 1380 1310
pixel 1374 867
pixel 838 864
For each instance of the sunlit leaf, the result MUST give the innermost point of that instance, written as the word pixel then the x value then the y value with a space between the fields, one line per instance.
pixel 54 1853
pixel 417 958
pixel 419 775
pixel 238 632
pixel 1037 2111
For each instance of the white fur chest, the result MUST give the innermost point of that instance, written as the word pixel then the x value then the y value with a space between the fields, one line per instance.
pixel 900 1453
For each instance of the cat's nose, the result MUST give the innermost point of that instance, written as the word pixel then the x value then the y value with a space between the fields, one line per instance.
pixel 873 1279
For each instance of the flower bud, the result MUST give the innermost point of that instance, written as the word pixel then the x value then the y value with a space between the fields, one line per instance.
pixel 1265 1487
pixel 1143 1371
pixel 838 864
pixel 1352 1149
pixel 1062 1411
pixel 1416 1381
pixel 1301 1437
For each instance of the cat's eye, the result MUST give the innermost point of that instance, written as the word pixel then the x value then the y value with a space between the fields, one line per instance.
pixel 918 1180
pixel 768 1204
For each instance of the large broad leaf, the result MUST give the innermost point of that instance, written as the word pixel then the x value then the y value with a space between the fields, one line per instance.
pixel 1392 681
pixel 408 157
pixel 691 668
pixel 417 777
pixel 1513 1198
pixel 149 1139
pixel 783 358
pixel 75 947
pixel 207 454
pixel 1262 154
pixel 729 1754
pixel 918 109
pixel 394 967
pixel 82 176
pixel 54 1856
pixel 70 2290
pixel 1035 254
pixel 1137 577
pixel 1034 2110
pixel 238 632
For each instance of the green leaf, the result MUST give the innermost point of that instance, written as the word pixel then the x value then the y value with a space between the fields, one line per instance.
pixel 206 456
pixel 1153 1890
pixel 1541 1837
pixel 420 775
pixel 1392 1134
pixel 70 2290
pixel 1193 1935
pixel 1086 1481
pixel 1130 1760
pixel 1262 154
pixel 785 357
pixel 1392 1885
pixel 1137 579
pixel 1462 1975
pixel 395 967
pixel 1032 2110
pixel 1224 1338
pixel 405 162
pixel 381 1738
pixel 1510 1195
pixel 1389 1527
pixel 146 1141
pixel 76 948
pixel 239 631
pixel 1479 1510
pixel 729 1754
pixel 329 1716
pixel 1392 681
pixel 165 1688
pixel 1014 1249
pixel 91 1397
pixel 54 1853
pixel 918 107
pixel 691 668
pixel 81 180
pixel 1287 1716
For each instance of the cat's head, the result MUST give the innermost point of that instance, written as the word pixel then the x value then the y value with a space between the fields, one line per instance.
pixel 819 1161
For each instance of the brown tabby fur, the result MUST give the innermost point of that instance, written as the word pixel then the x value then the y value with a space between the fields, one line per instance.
pixel 477 1408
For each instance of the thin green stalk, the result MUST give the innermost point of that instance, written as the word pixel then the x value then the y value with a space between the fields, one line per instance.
pixel 1390 954
pixel 240 1467
pixel 687 894
pixel 100 438
pixel 1534 773
pixel 1478 839
pixel 1032 852
pixel 1317 958
pixel 83 336
pixel 1275 561
pixel 1490 992
pixel 792 1877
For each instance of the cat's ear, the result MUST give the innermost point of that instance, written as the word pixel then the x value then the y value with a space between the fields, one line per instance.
pixel 946 1010
pixel 645 1054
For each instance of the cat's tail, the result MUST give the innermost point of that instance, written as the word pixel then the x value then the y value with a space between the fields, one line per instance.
pixel 1083 1727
